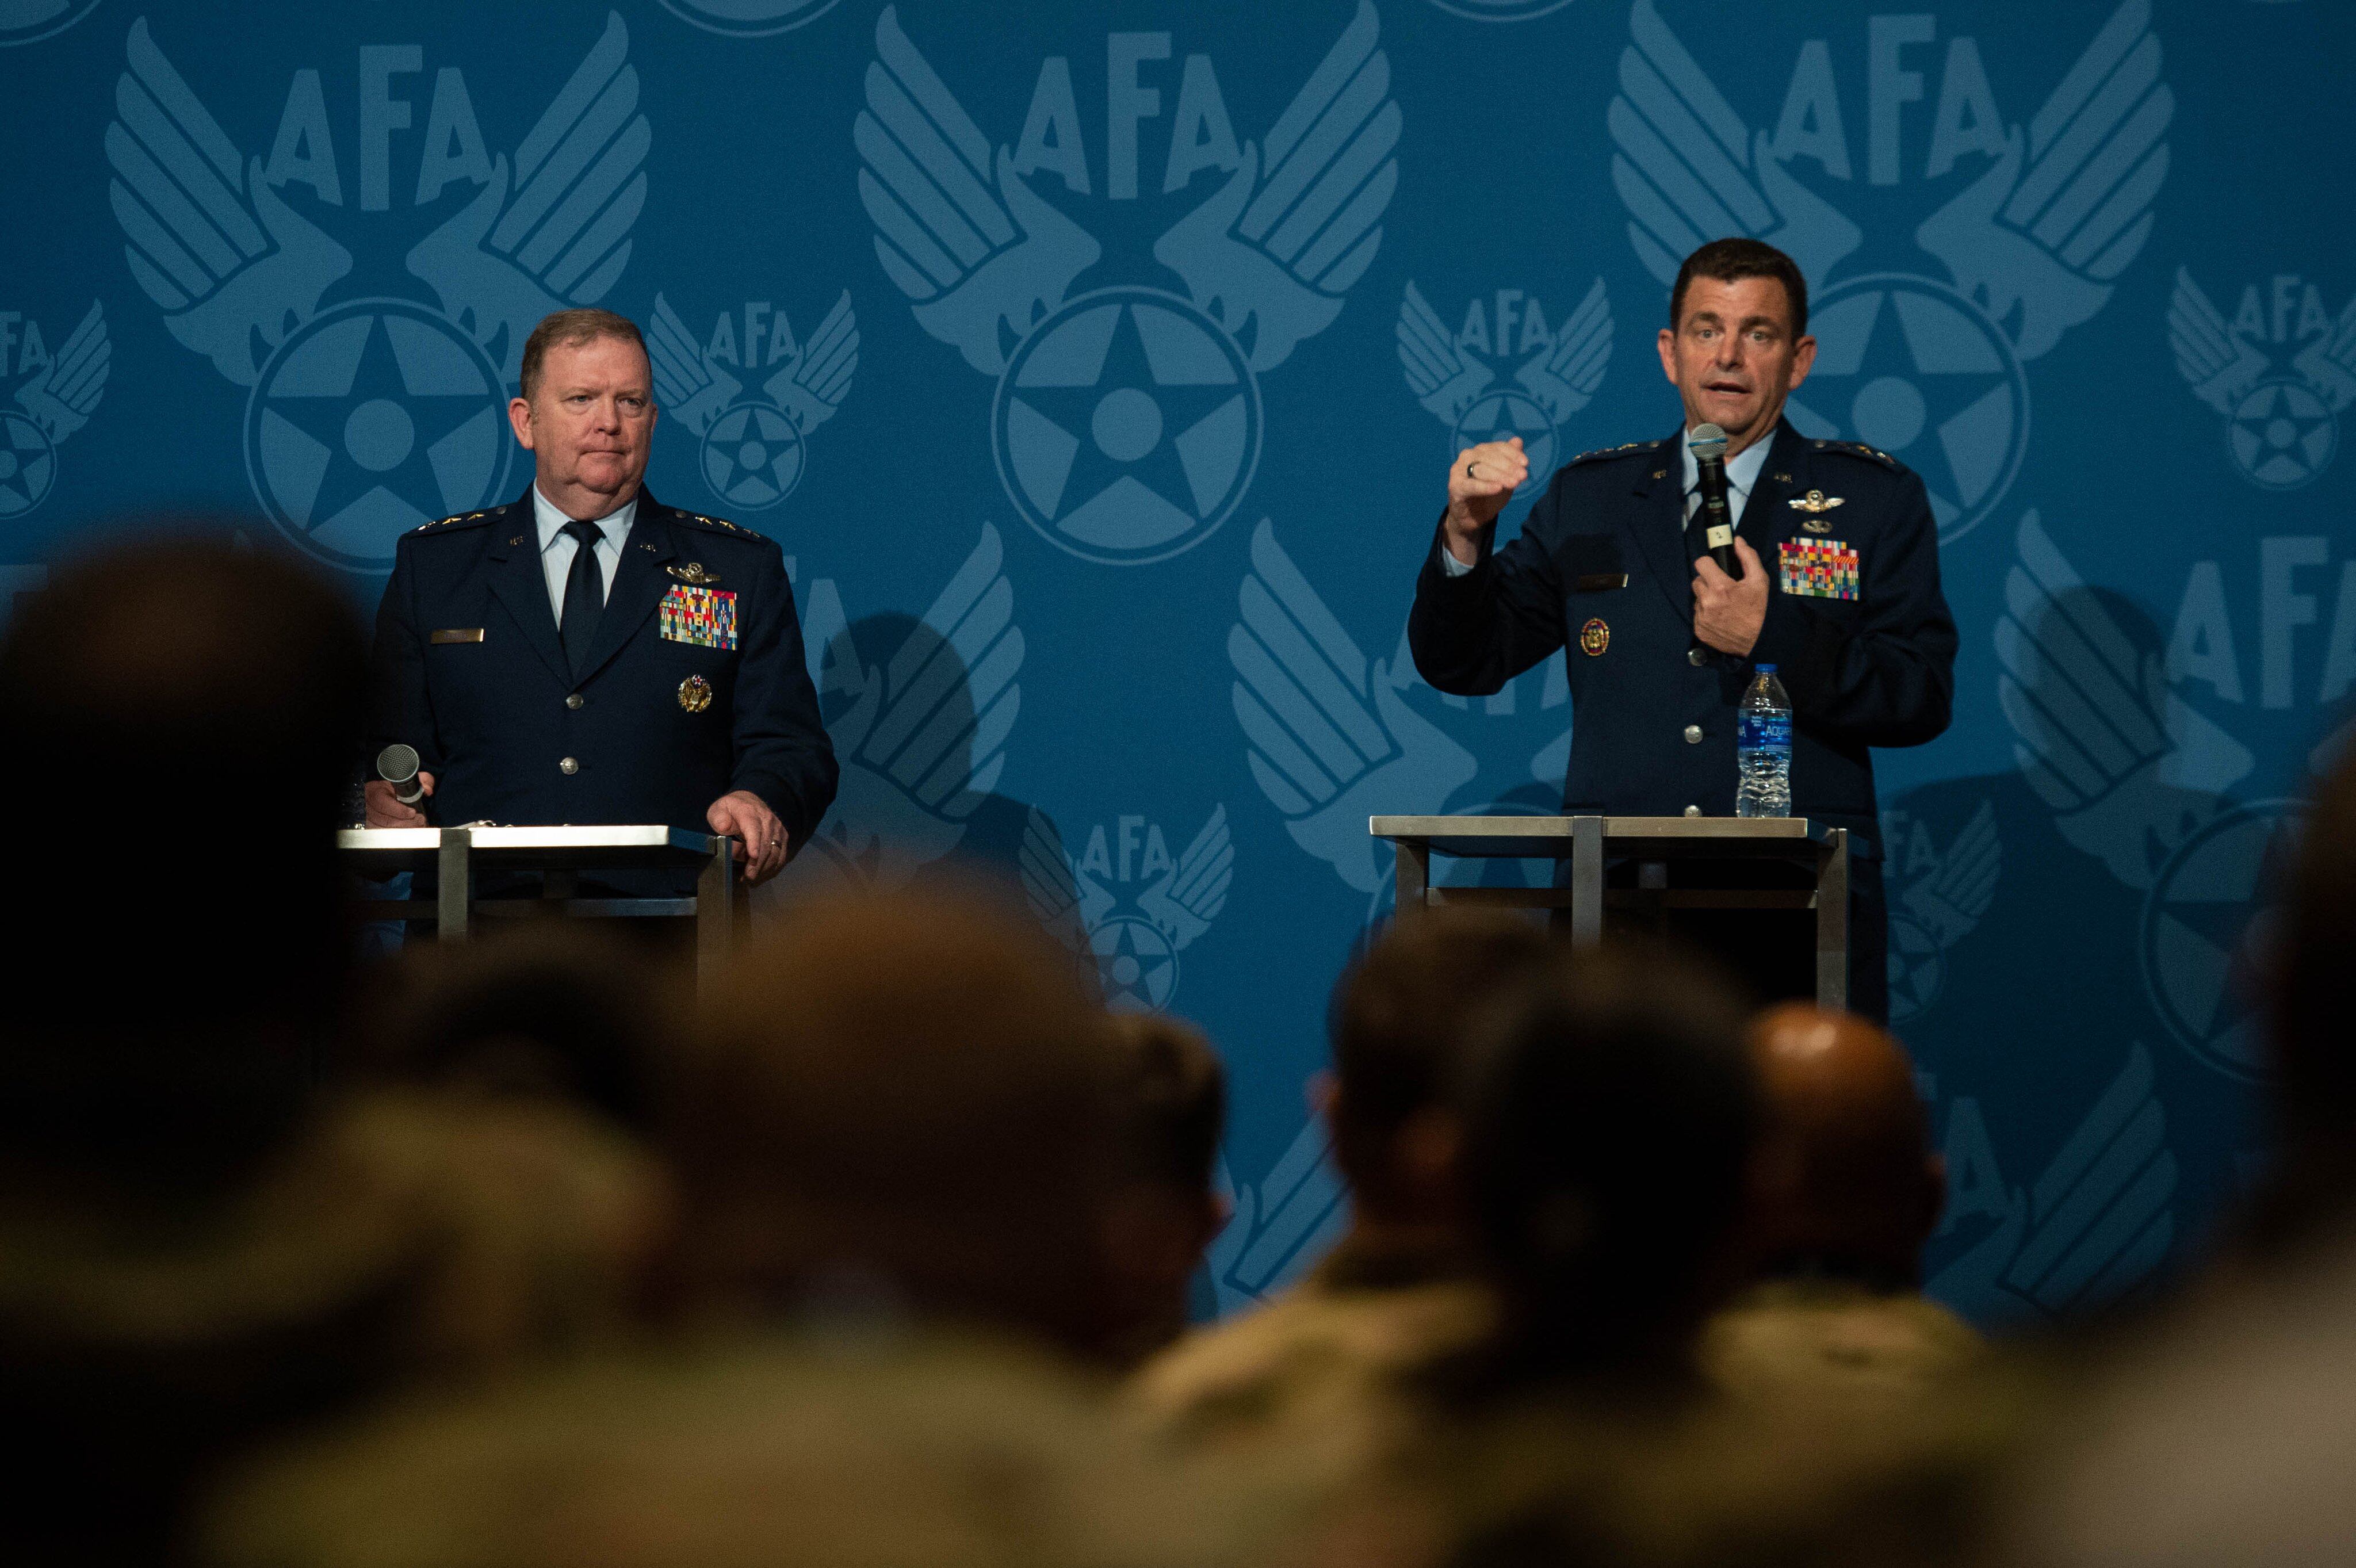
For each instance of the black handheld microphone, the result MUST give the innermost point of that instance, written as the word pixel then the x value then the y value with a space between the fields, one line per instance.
pixel 397 766
pixel 1707 445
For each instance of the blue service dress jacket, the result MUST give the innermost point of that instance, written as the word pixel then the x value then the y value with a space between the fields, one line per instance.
pixel 695 684
pixel 1601 572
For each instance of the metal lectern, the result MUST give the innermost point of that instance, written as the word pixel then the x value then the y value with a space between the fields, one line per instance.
pixel 561 854
pixel 1588 845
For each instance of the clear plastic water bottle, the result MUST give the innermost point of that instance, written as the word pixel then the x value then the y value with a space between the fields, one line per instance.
pixel 1762 749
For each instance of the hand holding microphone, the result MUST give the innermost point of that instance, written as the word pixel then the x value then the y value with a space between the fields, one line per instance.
pixel 399 789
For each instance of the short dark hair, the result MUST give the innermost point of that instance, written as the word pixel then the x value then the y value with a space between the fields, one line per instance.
pixel 1170 1101
pixel 1398 1023
pixel 571 328
pixel 1611 1109
pixel 1728 260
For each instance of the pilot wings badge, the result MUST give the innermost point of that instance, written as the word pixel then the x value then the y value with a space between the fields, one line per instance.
pixel 1450 375
pixel 55 399
pixel 2282 429
pixel 1126 423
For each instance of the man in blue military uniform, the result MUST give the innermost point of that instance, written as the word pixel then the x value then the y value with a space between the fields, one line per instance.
pixel 586 654
pixel 1839 589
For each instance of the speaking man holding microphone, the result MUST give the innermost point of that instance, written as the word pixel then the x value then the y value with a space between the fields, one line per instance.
pixel 1831 573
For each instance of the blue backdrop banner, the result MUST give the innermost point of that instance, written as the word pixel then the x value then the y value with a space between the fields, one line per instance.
pixel 1097 365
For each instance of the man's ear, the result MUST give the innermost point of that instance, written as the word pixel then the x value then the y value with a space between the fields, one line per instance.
pixel 519 420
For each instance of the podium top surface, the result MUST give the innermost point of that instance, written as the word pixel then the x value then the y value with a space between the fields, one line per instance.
pixel 1535 837
pixel 596 847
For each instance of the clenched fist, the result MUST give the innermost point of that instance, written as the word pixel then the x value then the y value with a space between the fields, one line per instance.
pixel 1479 483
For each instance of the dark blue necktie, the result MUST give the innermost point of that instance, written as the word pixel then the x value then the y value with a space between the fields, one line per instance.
pixel 584 597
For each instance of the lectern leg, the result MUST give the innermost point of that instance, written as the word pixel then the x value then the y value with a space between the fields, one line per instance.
pixel 1586 881
pixel 454 865
pixel 715 927
pixel 1832 923
pixel 1413 862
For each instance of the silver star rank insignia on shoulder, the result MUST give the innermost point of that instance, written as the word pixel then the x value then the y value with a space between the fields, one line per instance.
pixel 1815 503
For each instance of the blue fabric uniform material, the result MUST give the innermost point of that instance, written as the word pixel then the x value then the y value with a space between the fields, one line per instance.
pixel 1654 709
pixel 496 711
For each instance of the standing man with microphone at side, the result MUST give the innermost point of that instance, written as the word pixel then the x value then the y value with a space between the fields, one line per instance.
pixel 1831 575
pixel 585 654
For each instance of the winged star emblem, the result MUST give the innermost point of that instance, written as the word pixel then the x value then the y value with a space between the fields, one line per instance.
pixel 1557 379
pixel 2282 428
pixel 2096 1224
pixel 1136 956
pixel 1089 383
pixel 2130 769
pixel 921 737
pixel 752 447
pixel 1332 739
pixel 60 396
pixel 236 271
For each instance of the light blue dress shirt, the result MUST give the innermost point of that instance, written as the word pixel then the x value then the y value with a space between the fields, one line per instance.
pixel 1741 473
pixel 557 547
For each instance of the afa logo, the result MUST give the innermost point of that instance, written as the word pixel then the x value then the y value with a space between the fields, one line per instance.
pixel 54 394
pixel 748 18
pixel 367 412
pixel 1555 374
pixel 2043 218
pixel 1936 898
pixel 753 446
pixel 919 711
pixel 1127 420
pixel 2282 427
pixel 1125 904
pixel 2138 777
pixel 2094 1227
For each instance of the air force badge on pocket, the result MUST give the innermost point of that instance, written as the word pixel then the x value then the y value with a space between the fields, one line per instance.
pixel 1819 568
pixel 704 616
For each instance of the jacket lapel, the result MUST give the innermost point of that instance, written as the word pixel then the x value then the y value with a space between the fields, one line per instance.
pixel 1660 526
pixel 521 586
pixel 1767 515
pixel 639 583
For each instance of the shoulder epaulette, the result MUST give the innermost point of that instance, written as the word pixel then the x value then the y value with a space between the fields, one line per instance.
pixel 461 519
pixel 1620 451
pixel 722 523
pixel 1858 449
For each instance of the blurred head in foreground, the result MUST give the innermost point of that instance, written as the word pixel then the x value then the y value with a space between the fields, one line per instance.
pixel 1169 1104
pixel 1400 1029
pixel 1610 1124
pixel 904 1097
pixel 180 717
pixel 1849 1185
pixel 547 1010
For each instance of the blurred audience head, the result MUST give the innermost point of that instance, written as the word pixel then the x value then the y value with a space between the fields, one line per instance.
pixel 1848 1183
pixel 1399 1024
pixel 1169 1106
pixel 904 1096
pixel 2312 1001
pixel 546 1010
pixel 1611 1119
pixel 181 718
